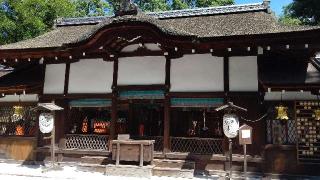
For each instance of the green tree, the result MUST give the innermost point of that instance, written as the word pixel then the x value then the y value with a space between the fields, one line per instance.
pixel 91 8
pixel 24 19
pixel 144 5
pixel 209 3
pixel 179 4
pixel 287 20
pixel 163 5
pixel 305 11
pixel 28 18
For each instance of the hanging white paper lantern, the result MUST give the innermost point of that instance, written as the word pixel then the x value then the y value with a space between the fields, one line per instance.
pixel 46 121
pixel 230 125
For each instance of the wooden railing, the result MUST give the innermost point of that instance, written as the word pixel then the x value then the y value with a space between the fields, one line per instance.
pixel 194 145
pixel 197 145
pixel 79 141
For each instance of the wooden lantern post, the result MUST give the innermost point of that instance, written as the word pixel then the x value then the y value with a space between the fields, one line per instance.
pixel 44 128
pixel 245 137
pixel 230 127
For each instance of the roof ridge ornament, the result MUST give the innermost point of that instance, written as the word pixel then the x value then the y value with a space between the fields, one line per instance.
pixel 267 3
pixel 126 7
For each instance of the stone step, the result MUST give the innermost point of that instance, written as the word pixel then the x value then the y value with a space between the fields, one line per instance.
pixel 100 160
pixel 91 167
pixel 174 168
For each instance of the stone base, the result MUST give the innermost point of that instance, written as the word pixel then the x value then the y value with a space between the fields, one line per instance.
pixel 174 168
pixel 129 171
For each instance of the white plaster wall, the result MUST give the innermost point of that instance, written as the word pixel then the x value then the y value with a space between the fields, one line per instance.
pixel 23 98
pixel 146 70
pixel 54 79
pixel 243 73
pixel 197 73
pixel 289 96
pixel 91 76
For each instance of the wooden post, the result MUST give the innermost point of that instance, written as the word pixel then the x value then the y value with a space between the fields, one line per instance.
pixel 141 155
pixel 114 117
pixel 114 103
pixel 118 154
pixel 226 74
pixel 52 145
pixel 167 104
pixel 166 126
pixel 230 158
pixel 245 161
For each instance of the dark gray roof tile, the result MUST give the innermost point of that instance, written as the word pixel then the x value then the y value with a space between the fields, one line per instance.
pixel 173 14
pixel 246 22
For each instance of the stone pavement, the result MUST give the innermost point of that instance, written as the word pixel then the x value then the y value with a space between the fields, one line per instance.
pixel 17 171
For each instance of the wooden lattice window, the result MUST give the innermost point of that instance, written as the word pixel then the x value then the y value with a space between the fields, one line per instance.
pixel 17 121
pixel 281 132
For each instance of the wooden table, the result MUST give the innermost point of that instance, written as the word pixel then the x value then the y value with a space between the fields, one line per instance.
pixel 133 150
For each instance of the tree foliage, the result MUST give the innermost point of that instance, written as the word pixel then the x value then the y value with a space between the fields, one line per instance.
pixel 25 19
pixel 91 8
pixel 208 3
pixel 303 11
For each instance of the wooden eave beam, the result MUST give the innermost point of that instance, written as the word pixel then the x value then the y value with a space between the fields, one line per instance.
pixel 291 87
pixel 141 87
pixel 196 94
pixel 76 96
pixel 150 33
pixel 28 89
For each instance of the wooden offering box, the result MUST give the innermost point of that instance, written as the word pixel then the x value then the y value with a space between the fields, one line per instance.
pixel 133 150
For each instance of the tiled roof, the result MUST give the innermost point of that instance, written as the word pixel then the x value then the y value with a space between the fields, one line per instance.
pixel 80 21
pixel 226 21
pixel 209 11
pixel 173 14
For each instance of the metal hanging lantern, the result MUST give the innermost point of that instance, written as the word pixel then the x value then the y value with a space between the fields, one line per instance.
pixel 17 113
pixel 230 125
pixel 282 112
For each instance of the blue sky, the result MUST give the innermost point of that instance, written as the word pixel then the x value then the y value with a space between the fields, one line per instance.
pixel 276 5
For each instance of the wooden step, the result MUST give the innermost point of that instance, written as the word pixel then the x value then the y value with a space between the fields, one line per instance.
pixel 174 168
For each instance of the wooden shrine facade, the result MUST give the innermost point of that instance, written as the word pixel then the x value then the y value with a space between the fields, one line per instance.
pixel 160 75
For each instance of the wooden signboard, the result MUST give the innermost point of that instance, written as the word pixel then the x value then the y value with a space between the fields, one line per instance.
pixel 245 134
pixel 308 131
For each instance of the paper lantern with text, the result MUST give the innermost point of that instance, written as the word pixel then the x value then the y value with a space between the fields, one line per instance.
pixel 230 125
pixel 46 122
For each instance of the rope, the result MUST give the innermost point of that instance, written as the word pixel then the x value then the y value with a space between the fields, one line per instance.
pixel 257 120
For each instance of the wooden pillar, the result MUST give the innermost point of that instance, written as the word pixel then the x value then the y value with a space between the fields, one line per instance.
pixel 226 95
pixel 66 79
pixel 114 118
pixel 167 106
pixel 166 125
pixel 114 103
pixel 226 75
